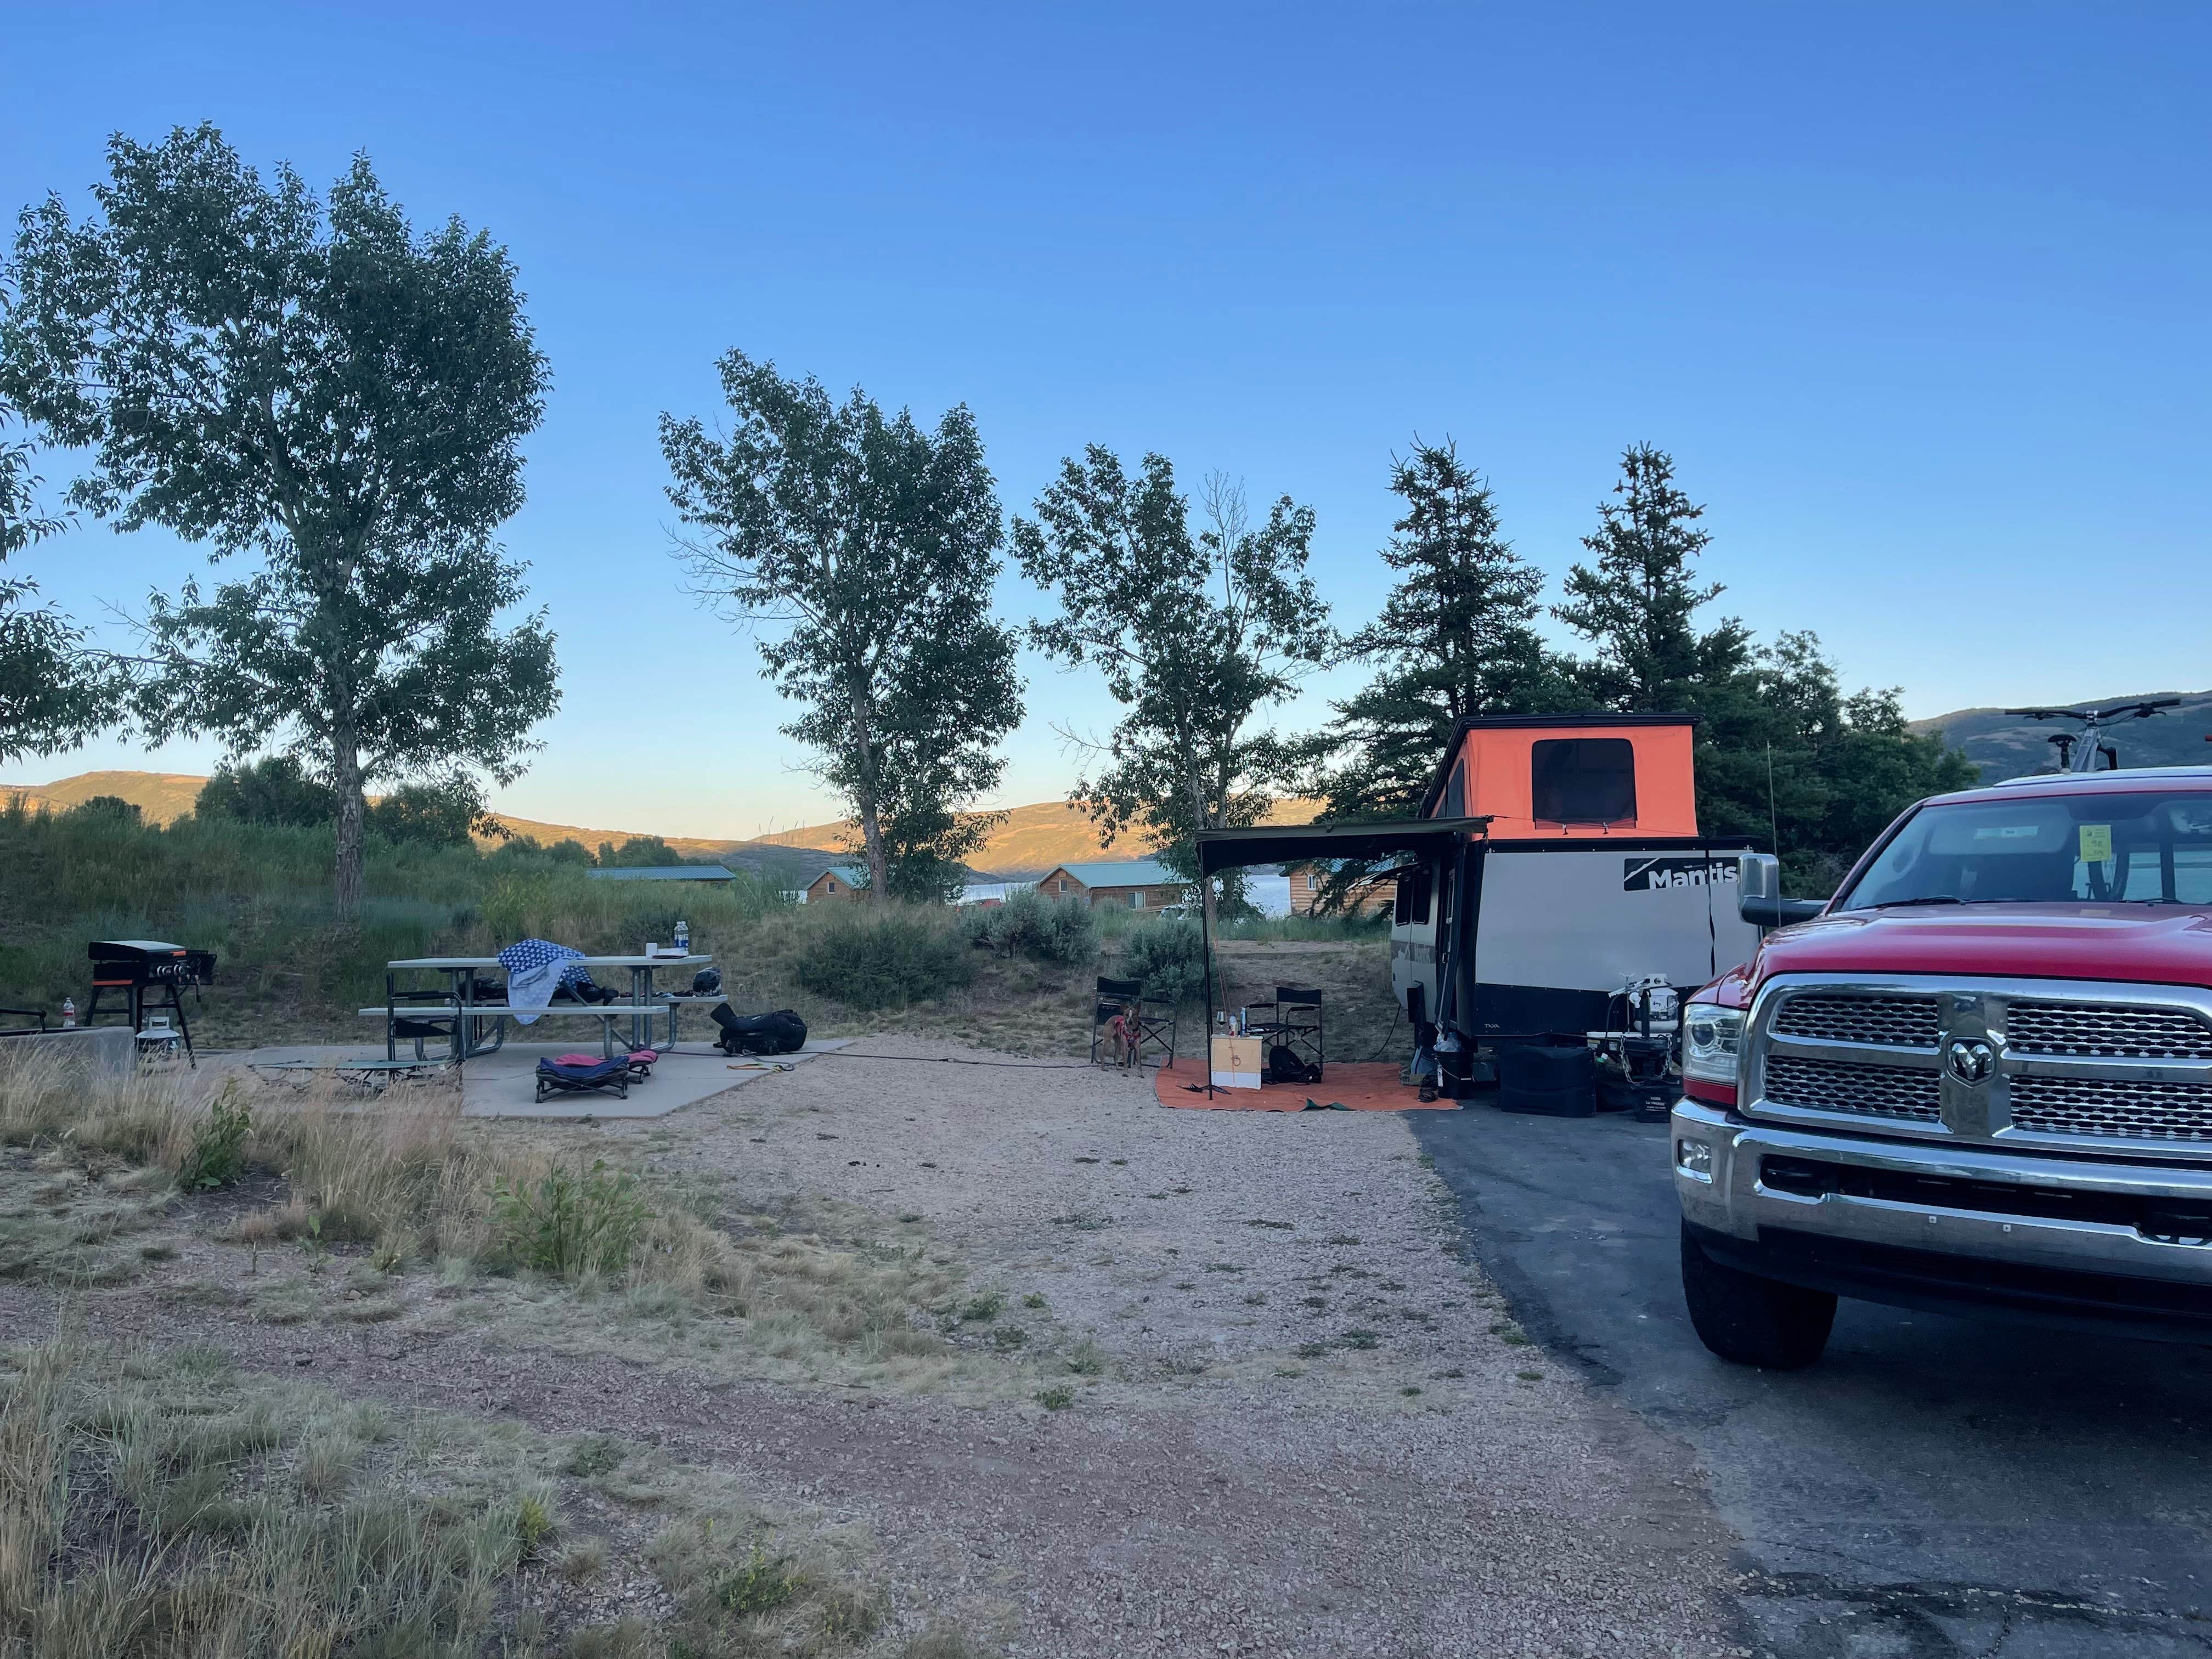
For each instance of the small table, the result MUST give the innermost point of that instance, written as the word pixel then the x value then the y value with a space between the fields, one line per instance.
pixel 460 973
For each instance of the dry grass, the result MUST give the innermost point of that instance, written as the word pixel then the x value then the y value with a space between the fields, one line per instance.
pixel 371 1197
pixel 159 1503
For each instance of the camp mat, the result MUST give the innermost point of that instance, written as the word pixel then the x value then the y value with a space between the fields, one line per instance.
pixel 1371 1087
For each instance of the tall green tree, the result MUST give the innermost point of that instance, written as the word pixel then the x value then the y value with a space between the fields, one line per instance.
pixel 1455 637
pixel 1787 760
pixel 863 548
pixel 276 789
pixel 1638 602
pixel 50 686
pixel 316 390
pixel 1197 631
pixel 1783 757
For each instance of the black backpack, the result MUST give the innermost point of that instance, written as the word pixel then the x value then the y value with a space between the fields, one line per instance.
pixel 779 1033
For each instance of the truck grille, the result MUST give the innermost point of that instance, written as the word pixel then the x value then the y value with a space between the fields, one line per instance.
pixel 2091 1031
pixel 2101 1106
pixel 1830 1085
pixel 1897 1022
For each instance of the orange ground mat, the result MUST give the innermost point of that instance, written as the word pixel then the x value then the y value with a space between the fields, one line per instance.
pixel 1372 1087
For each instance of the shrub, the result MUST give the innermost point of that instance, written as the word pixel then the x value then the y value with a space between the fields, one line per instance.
pixel 217 1156
pixel 1063 930
pixel 1168 955
pixel 761 1584
pixel 568 1222
pixel 872 960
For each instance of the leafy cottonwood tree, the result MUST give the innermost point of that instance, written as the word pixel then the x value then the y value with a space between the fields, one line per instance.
pixel 1196 633
pixel 322 390
pixel 1455 637
pixel 50 688
pixel 1639 602
pixel 870 545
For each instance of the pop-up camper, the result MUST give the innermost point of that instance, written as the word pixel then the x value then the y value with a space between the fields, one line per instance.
pixel 1556 858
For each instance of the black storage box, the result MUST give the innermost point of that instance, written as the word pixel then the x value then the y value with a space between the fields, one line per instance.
pixel 1548 1081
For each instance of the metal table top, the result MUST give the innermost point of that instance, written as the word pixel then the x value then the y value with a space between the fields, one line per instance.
pixel 457 963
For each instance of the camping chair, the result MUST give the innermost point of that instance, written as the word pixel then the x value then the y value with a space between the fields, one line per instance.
pixel 1293 1022
pixel 1155 1019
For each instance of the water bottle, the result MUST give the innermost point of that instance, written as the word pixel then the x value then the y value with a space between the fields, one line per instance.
pixel 68 1013
pixel 682 938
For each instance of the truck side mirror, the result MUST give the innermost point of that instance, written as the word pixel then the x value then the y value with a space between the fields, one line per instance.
pixel 1758 894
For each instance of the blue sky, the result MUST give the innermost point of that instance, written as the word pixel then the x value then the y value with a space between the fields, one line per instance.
pixel 1914 294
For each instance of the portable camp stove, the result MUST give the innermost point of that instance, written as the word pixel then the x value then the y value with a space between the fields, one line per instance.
pixel 131 968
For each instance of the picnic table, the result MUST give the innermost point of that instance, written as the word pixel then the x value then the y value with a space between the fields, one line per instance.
pixel 458 1004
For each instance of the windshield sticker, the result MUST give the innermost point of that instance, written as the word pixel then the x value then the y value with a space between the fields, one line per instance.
pixel 2096 843
pixel 2007 831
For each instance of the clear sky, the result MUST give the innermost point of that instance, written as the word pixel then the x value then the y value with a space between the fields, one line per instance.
pixel 1916 295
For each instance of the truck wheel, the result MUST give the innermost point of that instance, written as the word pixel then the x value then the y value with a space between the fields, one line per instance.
pixel 1750 1321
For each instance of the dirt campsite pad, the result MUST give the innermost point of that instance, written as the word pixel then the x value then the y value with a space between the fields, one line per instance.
pixel 950 1354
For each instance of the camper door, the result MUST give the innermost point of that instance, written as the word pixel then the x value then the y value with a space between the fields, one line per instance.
pixel 1416 919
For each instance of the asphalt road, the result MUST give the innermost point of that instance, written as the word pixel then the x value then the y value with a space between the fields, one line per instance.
pixel 1936 1488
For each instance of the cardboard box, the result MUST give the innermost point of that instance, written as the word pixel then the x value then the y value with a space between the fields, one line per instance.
pixel 1238 1062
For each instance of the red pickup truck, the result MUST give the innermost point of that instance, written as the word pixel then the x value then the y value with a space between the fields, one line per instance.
pixel 1979 1078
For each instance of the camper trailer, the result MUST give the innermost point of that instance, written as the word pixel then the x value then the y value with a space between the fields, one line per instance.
pixel 1556 860
pixel 1588 873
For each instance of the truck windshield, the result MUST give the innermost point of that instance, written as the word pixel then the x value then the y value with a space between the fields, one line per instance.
pixel 2150 848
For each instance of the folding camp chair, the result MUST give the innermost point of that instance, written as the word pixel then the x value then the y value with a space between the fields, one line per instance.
pixel 1293 1022
pixel 1155 1019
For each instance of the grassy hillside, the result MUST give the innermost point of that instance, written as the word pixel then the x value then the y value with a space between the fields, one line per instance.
pixel 163 797
pixel 1030 841
pixel 258 896
pixel 2005 746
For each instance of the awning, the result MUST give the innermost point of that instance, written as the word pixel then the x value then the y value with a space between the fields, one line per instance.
pixel 1289 843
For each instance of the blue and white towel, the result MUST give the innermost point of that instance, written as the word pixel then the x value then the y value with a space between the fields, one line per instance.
pixel 536 968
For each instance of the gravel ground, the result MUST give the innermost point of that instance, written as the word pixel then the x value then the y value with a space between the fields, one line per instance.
pixel 1316 1431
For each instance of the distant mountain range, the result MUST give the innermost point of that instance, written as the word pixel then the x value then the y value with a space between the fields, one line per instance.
pixel 1027 843
pixel 2006 746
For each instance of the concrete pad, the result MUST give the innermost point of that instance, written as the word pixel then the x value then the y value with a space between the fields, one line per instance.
pixel 108 1053
pixel 504 1085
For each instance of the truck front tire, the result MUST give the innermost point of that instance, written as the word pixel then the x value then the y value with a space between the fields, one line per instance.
pixel 1750 1321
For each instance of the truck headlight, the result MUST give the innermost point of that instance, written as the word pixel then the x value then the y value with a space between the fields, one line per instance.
pixel 1711 1037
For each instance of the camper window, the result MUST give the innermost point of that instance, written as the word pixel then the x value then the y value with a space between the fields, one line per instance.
pixel 1583 781
pixel 1456 792
pixel 1411 909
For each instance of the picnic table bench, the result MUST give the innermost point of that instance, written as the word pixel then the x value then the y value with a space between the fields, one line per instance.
pixel 458 1004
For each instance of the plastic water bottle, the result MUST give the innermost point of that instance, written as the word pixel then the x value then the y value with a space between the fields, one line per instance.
pixel 682 938
pixel 68 1013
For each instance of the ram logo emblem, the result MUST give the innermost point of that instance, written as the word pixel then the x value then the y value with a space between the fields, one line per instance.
pixel 1971 1060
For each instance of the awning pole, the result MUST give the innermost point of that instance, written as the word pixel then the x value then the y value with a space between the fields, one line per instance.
pixel 1206 947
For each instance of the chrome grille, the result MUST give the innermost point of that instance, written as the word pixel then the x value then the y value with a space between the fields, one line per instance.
pixel 1829 1086
pixel 2094 1030
pixel 2102 1106
pixel 1897 1022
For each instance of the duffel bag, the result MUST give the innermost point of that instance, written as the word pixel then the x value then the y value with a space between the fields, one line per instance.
pixel 782 1032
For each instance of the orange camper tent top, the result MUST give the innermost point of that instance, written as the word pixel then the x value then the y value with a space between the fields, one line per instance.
pixel 1570 777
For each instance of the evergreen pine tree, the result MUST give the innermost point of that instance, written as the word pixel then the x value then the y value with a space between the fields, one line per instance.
pixel 1639 602
pixel 1455 637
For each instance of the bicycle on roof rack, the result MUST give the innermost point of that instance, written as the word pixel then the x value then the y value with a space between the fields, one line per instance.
pixel 2078 751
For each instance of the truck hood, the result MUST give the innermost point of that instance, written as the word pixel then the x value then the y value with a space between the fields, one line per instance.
pixel 2154 944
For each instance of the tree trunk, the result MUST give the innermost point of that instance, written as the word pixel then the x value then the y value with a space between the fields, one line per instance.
pixel 352 825
pixel 879 866
pixel 865 807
